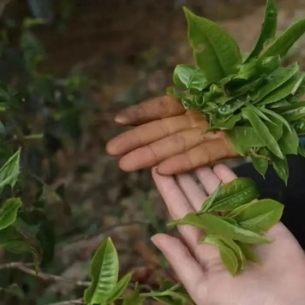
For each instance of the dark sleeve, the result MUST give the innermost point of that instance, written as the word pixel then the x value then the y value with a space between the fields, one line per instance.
pixel 292 196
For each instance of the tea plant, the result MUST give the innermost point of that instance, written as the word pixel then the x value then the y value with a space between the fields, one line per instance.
pixel 106 289
pixel 251 96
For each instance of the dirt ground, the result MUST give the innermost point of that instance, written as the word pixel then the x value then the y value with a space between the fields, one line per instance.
pixel 130 48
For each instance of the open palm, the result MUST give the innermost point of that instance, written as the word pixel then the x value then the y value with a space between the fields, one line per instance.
pixel 166 135
pixel 280 280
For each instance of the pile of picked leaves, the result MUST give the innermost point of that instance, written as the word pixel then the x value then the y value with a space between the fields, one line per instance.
pixel 234 220
pixel 253 97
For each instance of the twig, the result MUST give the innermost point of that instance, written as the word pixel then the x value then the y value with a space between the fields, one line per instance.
pixel 41 275
pixel 71 302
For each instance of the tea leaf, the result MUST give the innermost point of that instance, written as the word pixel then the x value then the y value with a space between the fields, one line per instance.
pixel 268 29
pixel 228 256
pixel 293 112
pixel 119 288
pixel 263 132
pixel 229 124
pixel 286 40
pixel 249 252
pixel 277 116
pixel 281 168
pixel 216 52
pixel 231 195
pixel 237 250
pixel 276 80
pixel 275 128
pixel 261 215
pixel 289 142
pixel 210 200
pixel 283 91
pixel 189 77
pixel 10 171
pixel 8 212
pixel 260 161
pixel 134 298
pixel 104 274
pixel 258 112
pixel 215 225
pixel 243 138
pixel 301 150
pixel 299 126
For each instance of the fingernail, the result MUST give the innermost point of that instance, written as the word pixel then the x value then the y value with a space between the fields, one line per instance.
pixel 120 119
pixel 153 240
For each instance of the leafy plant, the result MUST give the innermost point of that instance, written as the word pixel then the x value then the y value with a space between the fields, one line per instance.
pixel 234 220
pixel 252 96
pixel 106 289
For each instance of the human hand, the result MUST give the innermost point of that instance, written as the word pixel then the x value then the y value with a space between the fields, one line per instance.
pixel 279 280
pixel 167 136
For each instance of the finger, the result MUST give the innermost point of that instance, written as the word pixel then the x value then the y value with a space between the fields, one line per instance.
pixel 224 173
pixel 191 190
pixel 151 132
pixel 177 205
pixel 152 154
pixel 150 110
pixel 208 178
pixel 185 266
pixel 203 154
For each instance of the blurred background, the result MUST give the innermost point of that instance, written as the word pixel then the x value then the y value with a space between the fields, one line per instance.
pixel 78 63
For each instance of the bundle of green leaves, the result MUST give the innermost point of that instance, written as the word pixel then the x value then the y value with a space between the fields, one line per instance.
pixel 253 97
pixel 234 220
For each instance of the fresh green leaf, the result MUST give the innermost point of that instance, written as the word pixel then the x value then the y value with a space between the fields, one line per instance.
pixel 231 195
pixel 10 171
pixel 215 225
pixel 301 150
pixel 8 212
pixel 243 138
pixel 283 91
pixel 278 78
pixel 104 274
pixel 119 288
pixel 228 256
pixel 289 142
pixel 216 52
pixel 299 126
pixel 258 112
pixel 229 243
pixel 237 251
pixel 260 161
pixel 261 214
pixel 249 252
pixel 227 125
pixel 281 168
pixel 268 29
pixel 210 200
pixel 263 132
pixel 293 112
pixel 134 298
pixel 286 40
pixel 276 116
pixel 275 128
pixel 189 77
